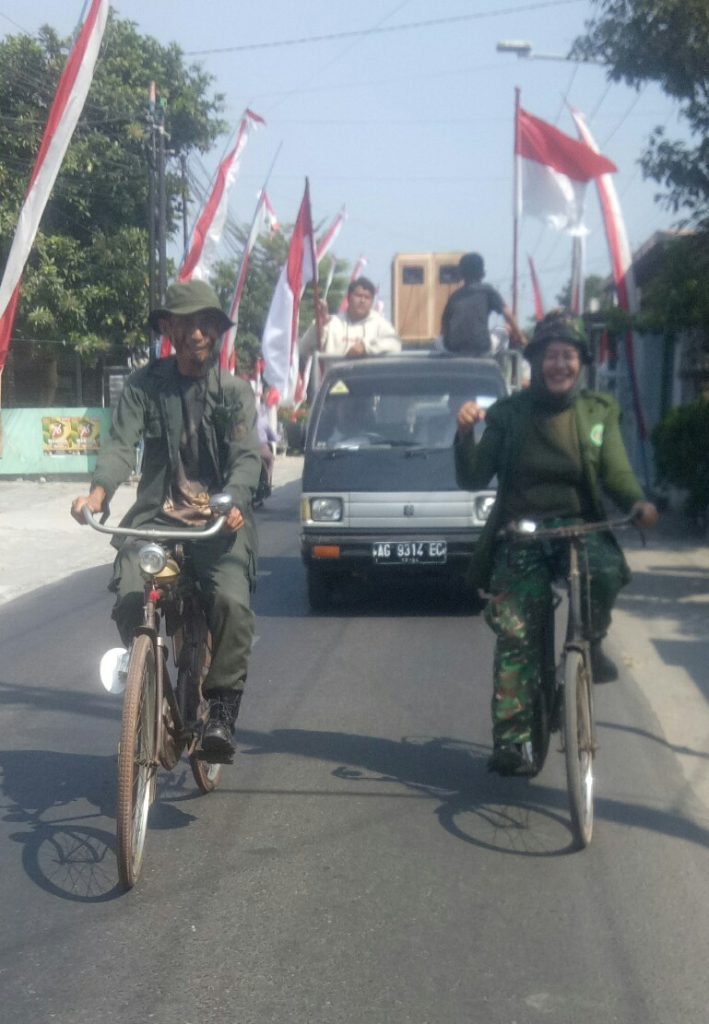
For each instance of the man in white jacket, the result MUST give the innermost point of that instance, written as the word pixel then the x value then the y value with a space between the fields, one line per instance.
pixel 360 332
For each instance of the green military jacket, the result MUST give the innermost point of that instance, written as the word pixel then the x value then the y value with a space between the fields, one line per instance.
pixel 605 463
pixel 150 407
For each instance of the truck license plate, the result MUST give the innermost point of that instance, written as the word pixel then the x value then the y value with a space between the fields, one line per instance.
pixel 406 552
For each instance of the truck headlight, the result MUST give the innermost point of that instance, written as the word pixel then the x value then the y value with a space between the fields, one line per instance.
pixel 483 506
pixel 152 559
pixel 325 510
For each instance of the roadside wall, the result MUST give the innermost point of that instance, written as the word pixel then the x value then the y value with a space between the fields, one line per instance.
pixel 52 441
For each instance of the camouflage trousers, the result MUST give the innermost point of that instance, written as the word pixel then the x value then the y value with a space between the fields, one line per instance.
pixel 518 611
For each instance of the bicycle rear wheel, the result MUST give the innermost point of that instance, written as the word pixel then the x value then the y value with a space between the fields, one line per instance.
pixel 137 762
pixel 579 745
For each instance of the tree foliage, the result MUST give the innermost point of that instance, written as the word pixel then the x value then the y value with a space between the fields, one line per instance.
pixel 681 443
pixel 594 287
pixel 677 297
pixel 86 280
pixel 667 42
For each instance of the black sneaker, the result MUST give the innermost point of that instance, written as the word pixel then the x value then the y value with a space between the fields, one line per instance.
pixel 512 759
pixel 217 736
pixel 604 670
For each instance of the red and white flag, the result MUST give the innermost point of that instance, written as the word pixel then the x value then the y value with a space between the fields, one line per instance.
pixel 280 334
pixel 358 268
pixel 65 111
pixel 264 217
pixel 208 230
pixel 618 246
pixel 554 170
pixel 622 267
pixel 536 291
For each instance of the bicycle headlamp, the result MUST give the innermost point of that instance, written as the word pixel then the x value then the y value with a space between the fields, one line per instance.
pixel 152 559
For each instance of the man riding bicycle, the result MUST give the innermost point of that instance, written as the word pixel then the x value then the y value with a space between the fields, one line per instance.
pixel 199 431
pixel 554 447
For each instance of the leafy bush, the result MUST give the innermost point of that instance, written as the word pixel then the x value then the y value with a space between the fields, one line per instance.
pixel 681 443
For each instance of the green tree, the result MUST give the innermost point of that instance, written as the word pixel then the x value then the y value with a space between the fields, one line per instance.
pixel 86 279
pixel 663 41
pixel 594 287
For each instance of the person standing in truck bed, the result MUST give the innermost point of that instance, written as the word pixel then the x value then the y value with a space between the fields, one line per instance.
pixel 464 325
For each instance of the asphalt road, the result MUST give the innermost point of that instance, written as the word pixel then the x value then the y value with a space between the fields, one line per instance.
pixel 358 864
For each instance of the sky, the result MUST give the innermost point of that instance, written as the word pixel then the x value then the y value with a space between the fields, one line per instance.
pixel 409 126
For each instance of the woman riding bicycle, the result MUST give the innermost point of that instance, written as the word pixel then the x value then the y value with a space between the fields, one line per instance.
pixel 553 447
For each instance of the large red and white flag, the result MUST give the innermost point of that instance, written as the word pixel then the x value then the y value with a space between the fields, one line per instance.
pixel 554 170
pixel 358 268
pixel 280 334
pixel 618 245
pixel 208 230
pixel 264 218
pixel 622 267
pixel 65 111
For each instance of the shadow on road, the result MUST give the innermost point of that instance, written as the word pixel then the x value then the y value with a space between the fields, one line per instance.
pixel 517 816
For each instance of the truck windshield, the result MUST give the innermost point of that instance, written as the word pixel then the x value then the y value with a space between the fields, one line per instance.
pixel 393 412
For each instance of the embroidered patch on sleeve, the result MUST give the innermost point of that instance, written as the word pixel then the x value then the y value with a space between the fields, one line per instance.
pixel 597 434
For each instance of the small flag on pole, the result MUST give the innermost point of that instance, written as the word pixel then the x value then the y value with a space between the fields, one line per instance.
pixel 280 334
pixel 264 216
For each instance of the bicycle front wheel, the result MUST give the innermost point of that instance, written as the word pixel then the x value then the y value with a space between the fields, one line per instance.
pixel 137 761
pixel 579 745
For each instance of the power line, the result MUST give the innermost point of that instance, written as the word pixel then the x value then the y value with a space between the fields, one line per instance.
pixel 431 22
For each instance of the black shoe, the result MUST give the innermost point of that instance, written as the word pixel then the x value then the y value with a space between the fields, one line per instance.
pixel 217 742
pixel 603 669
pixel 512 759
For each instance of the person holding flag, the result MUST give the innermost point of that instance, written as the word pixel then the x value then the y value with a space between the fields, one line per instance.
pixel 360 331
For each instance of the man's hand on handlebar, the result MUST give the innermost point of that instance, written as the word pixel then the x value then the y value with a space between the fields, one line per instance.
pixel 469 414
pixel 95 501
pixel 644 514
pixel 234 520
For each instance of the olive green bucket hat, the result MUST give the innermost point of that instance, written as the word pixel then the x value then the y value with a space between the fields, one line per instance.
pixel 184 298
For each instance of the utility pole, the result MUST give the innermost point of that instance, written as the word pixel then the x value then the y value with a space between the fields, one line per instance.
pixel 162 205
pixel 157 201
pixel 152 164
pixel 185 231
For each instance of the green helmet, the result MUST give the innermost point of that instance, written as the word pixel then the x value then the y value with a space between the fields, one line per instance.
pixel 558 325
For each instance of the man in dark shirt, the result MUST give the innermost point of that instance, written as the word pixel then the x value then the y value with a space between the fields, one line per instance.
pixel 465 318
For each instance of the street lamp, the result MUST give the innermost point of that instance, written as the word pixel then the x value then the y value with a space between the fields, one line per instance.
pixel 525 50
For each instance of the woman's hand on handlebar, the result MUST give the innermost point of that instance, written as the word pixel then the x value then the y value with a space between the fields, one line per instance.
pixel 469 414
pixel 95 501
pixel 644 514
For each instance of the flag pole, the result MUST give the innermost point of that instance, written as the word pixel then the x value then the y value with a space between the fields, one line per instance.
pixel 515 222
pixel 316 283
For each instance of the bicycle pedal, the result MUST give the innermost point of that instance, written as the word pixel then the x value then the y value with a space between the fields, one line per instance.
pixel 214 757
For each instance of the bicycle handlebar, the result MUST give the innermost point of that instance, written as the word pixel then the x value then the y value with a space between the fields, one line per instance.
pixel 516 532
pixel 152 533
